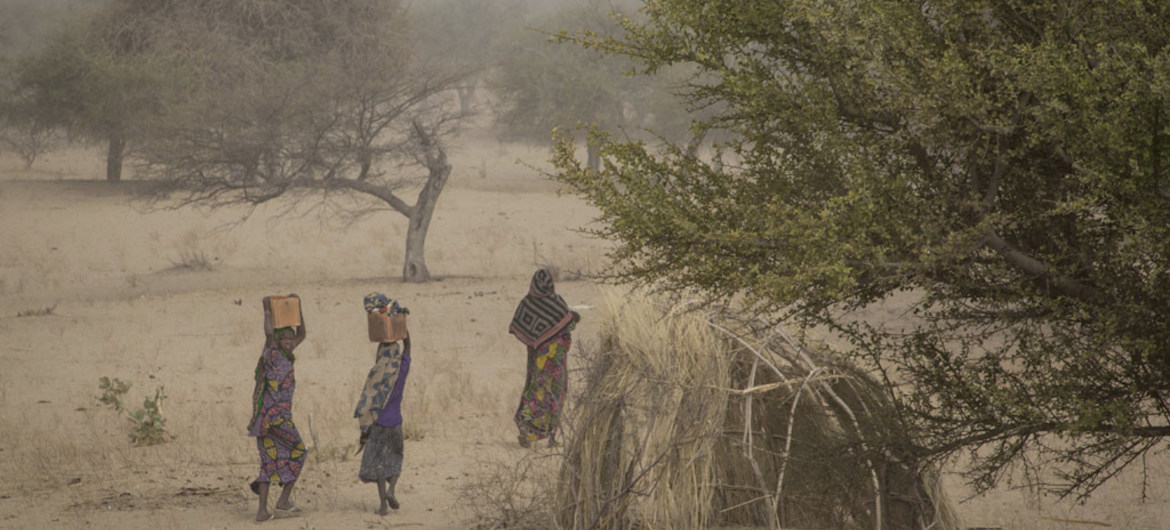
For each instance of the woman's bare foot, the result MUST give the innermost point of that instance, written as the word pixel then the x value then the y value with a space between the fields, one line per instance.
pixel 263 515
pixel 383 510
pixel 393 502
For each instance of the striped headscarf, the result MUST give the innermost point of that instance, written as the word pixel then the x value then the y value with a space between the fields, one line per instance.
pixel 542 313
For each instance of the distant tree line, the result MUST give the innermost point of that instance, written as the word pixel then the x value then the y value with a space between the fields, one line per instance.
pixel 240 102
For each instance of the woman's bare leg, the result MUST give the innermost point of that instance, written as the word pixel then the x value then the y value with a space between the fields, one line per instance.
pixel 262 513
pixel 284 503
pixel 382 496
pixel 390 499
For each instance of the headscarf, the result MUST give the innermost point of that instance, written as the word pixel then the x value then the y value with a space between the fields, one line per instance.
pixel 542 313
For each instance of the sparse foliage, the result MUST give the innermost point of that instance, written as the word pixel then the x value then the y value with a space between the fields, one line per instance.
pixel 515 494
pixel 1003 163
pixel 466 35
pixel 149 424
pixel 242 102
pixel 317 98
pixel 545 82
pixel 112 392
pixel 21 128
pixel 98 78
pixel 150 427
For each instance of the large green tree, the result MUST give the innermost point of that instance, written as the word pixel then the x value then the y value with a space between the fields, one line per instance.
pixel 1004 162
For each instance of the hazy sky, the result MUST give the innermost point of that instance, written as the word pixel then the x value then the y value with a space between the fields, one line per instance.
pixel 23 23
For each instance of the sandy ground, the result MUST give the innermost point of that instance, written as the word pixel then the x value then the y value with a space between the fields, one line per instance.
pixel 93 285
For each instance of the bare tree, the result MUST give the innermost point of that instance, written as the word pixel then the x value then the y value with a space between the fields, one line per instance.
pixel 313 96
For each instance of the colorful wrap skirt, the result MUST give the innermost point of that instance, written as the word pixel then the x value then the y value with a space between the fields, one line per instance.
pixel 282 453
pixel 539 414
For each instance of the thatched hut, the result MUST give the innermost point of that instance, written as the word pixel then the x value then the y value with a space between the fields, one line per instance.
pixel 697 419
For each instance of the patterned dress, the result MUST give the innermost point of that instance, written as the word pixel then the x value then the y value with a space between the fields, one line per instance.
pixel 543 322
pixel 545 387
pixel 282 451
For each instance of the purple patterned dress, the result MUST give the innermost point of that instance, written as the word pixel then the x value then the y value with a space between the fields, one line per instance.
pixel 282 451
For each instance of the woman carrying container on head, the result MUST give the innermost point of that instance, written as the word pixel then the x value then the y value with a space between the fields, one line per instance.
pixel 543 322
pixel 379 409
pixel 282 451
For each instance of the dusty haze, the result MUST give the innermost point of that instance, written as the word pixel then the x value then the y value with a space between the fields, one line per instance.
pixel 127 295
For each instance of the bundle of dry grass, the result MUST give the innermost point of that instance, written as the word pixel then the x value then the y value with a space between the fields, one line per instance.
pixel 693 420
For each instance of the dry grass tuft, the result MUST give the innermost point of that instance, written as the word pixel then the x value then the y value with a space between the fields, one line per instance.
pixel 693 419
pixel 515 495
pixel 38 312
pixel 644 428
pixel 43 458
pixel 195 260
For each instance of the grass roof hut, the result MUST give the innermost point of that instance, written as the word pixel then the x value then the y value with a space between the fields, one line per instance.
pixel 692 419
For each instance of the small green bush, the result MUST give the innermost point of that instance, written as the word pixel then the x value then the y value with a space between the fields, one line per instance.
pixel 112 392
pixel 150 426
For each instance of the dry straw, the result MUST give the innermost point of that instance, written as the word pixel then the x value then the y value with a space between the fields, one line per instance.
pixel 700 418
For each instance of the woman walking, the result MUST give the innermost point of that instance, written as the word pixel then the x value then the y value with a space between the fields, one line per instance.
pixel 379 410
pixel 282 451
pixel 543 322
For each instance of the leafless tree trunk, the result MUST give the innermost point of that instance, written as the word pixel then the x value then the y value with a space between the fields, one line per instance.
pixel 414 268
pixel 466 93
pixel 115 153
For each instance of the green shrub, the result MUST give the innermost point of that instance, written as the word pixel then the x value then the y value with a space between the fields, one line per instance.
pixel 112 392
pixel 150 427
pixel 149 422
